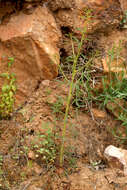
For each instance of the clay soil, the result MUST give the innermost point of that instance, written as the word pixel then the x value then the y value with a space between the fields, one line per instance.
pixel 85 167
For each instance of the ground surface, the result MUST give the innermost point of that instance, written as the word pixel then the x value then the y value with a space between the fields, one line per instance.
pixel 89 132
pixel 85 167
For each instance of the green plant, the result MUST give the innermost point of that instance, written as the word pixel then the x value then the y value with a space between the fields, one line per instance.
pixel 1 163
pixel 114 91
pixel 123 23
pixel 23 175
pixel 84 82
pixel 46 144
pixel 75 58
pixel 114 84
pixel 8 91
pixel 70 157
pixel 48 91
pixel 57 107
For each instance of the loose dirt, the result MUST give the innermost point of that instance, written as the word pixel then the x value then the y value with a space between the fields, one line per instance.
pixel 85 167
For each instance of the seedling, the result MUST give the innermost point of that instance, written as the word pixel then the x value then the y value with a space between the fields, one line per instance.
pixel 45 144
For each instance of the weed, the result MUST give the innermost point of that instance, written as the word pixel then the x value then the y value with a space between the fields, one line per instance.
pixel 70 157
pixel 30 164
pixel 1 160
pixel 23 175
pixel 45 144
pixel 8 92
pixel 74 132
pixel 123 23
pixel 57 107
pixel 114 87
pixel 47 91
pixel 1 163
pixel 83 84
pixel 114 90
pixel 114 84
pixel 26 148
pixel 75 58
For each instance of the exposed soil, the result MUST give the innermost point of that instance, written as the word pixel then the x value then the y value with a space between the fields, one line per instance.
pixel 88 133
pixel 85 168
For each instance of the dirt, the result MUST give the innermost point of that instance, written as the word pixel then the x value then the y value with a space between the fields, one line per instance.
pixel 88 133
pixel 84 168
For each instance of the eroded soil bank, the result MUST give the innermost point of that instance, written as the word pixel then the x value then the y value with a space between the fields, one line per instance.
pixel 85 166
pixel 30 141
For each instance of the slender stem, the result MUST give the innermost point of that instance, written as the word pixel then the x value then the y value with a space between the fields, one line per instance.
pixel 63 73
pixel 75 57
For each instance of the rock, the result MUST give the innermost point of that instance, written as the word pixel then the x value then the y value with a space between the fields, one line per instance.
pixel 99 113
pixel 87 179
pixel 123 5
pixel 31 155
pixel 37 169
pixel 61 4
pixel 117 107
pixel 116 157
pixel 115 52
pixel 114 66
pixel 32 40
pixel 105 14
pixel 34 188
pixel 45 83
pixel 6 8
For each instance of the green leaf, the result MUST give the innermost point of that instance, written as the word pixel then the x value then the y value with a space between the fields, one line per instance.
pixel 5 88
pixel 7 102
pixel 1 171
pixel 13 75
pixel 13 88
pixel 11 94
pixel 2 105
pixel 4 75
pixel 11 61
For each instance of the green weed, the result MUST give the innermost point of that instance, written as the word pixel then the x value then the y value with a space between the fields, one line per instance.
pixel 57 107
pixel 70 157
pixel 84 79
pixel 75 58
pixel 123 23
pixel 114 83
pixel 45 145
pixel 1 163
pixel 7 96
pixel 48 91
pixel 114 91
